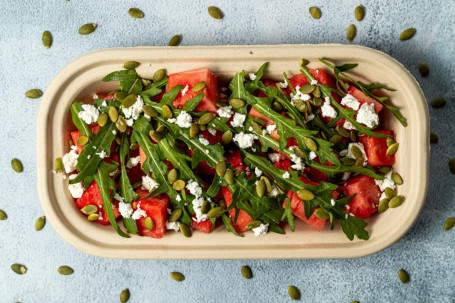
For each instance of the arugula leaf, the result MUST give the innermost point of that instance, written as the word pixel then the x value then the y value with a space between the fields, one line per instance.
pixel 89 159
pixel 288 214
pixel 107 186
pixel 191 104
pixel 215 186
pixel 169 97
pixel 227 222
pixel 129 81
pixel 151 92
pixel 80 124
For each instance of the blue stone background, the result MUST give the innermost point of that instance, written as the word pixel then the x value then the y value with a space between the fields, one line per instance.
pixel 426 251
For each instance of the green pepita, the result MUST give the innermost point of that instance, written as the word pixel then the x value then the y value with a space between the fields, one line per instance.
pixel 159 75
pixel 221 167
pixel 93 217
pixel 260 188
pixel 390 141
pixel 449 223
pixel 253 224
pixel 392 149
pixel 384 169
pixel 194 130
pixel 226 138
pixel 359 162
pixel 121 124
pixel 229 176
pixel 220 103
pixel 215 212
pixel 256 128
pixel 438 102
pixel 205 207
pixel 424 70
pixel 17 165
pixel 179 185
pixel 156 136
pixel 82 140
pixel 58 165
pixel 33 93
pixel 348 162
pixel 175 41
pixel 407 34
pixel 89 209
pixel 268 185
pixel 186 230
pixel 321 214
pixel 383 205
pixel 317 94
pixel 246 272
pixel 356 152
pixel 175 215
pixel 65 270
pixel 102 119
pixel 215 12
pixel 276 106
pixel 129 100
pixel 134 146
pixel 310 144
pixel 199 86
pixel 351 32
pixel 299 152
pixel 177 276
pixel 124 295
pixel 335 139
pixel 317 101
pixel 307 89
pixel 303 62
pixel 389 193
pixel 160 127
pixel 136 13
pixel 342 131
pixel 136 184
pixel 113 114
pixel 359 13
pixel 148 223
pixel 172 176
pixel 3 215
pixel 236 103
pixel 396 201
pixel 305 194
pixel 203 127
pixel 434 138
pixel 206 118
pixel 87 28
pixel 403 276
pixel 46 39
pixel 118 140
pixel 19 269
pixel 315 12
pixel 294 293
pixel 149 111
pixel 300 105
pixel 130 65
pixel 353 136
pixel 452 165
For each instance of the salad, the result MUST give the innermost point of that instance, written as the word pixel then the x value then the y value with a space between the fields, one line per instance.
pixel 186 153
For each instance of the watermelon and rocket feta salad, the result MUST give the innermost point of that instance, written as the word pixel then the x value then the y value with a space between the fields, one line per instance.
pixel 186 153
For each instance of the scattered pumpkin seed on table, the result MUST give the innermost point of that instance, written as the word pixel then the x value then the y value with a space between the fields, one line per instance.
pixel 246 272
pixel 215 12
pixel 359 13
pixel 452 165
pixel 438 102
pixel 424 70
pixel 40 222
pixel 17 165
pixel 136 13
pixel 65 270
pixel 46 39
pixel 294 293
pixel 33 93
pixel 449 223
pixel 434 138
pixel 3 215
pixel 175 41
pixel 124 295
pixel 87 29
pixel 315 12
pixel 407 34
pixel 403 276
pixel 19 268
pixel 351 31
pixel 177 276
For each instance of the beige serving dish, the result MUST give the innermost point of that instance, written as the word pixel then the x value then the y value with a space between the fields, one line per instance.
pixel 82 78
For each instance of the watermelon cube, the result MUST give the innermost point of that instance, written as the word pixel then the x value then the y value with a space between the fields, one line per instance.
pixel 367 196
pixel 243 218
pixel 156 209
pixel 358 94
pixel 376 149
pixel 204 226
pixel 75 135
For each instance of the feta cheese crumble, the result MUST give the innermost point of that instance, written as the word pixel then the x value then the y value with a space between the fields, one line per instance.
pixel 314 82
pixel 283 84
pixel 257 172
pixel 204 141
pixel 332 202
pixel 125 209
pixel 270 128
pixel 197 205
pixel 194 188
pixel 134 110
pixel 252 76
pixel 184 120
pixel 185 90
pixel 225 112
pixel 244 140
pixel 387 182
pixel 327 110
pixel 76 190
pixel 275 157
pixel 212 131
pixel 298 163
pixel 286 175
pixel 362 149
pixel 312 155
pixel 261 230
pixel 70 160
pixel 173 226
pixel 351 102
pixel 95 96
pixel 102 154
pixel 299 95
pixel 89 114
pixel 274 192
pixel 366 115
pixel 133 161
pixel 348 125
pixel 138 213
pixel 310 117
pixel 149 183
pixel 238 120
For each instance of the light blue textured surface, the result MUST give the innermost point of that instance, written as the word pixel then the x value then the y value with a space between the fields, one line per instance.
pixel 426 252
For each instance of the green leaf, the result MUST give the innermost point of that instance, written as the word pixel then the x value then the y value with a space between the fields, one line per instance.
pixel 122 75
pixel 191 104
pixel 169 97
pixel 332 170
pixel 228 224
pixel 80 124
pixel 125 188
pixel 214 187
pixel 151 92
pixel 353 226
pixel 88 160
pixel 107 186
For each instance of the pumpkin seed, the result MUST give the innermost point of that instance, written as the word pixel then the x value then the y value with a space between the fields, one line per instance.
pixel 87 28
pixel 303 62
pixel 17 165
pixel 343 131
pixel 149 111
pixel 452 165
pixel 356 152
pixel 113 113
pixel 33 93
pixel 438 102
pixel 215 212
pixel 129 100
pixel 317 93
pixel 335 139
pixel 124 295
pixel 310 144
pixel 253 224
pixel 268 185
pixel 226 138
pixel 351 31
pixel 236 103
pixel 317 101
pixel 177 276
pixel 403 276
pixel 206 118
pixel 172 176
pixel 299 152
pixel 348 162
pixel 229 176
pixel 294 293
pixel 136 13
pixel 359 13
pixel 194 129
pixel 166 112
pixel 134 146
pixel 3 215
pixel 158 75
pixel 383 205
pixel 136 184
pixel 315 12
pixel 157 137
pixel 392 149
pixel 221 167
pixel 179 185
pixel 396 201
pixel 260 188
pixel 307 89
pixel 305 194
pixel 276 106
pixel 130 65
pixel 89 209
pixel 65 270
pixel 203 127
pixel 215 12
pixel 102 119
pixel 145 83
pixel 384 169
pixel 199 86
pixel 175 215
pixel 82 140
pixel 186 230
pixel 321 214
pixel 389 193
pixel 160 127
pixel 175 40
pixel 300 105
pixel 407 34
pixel 246 272
pixel 256 128
pixel 121 124
pixel 46 39
pixel 93 217
pixel 355 301
pixel 148 223
pixel 205 207
pixel 424 70
pixel 118 140
pixel 434 138
pixel 353 136
pixel 58 165
pixel 19 269
pixel 222 203
pixel 359 162
pixel 390 141
pixel 449 223
pixel 220 103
